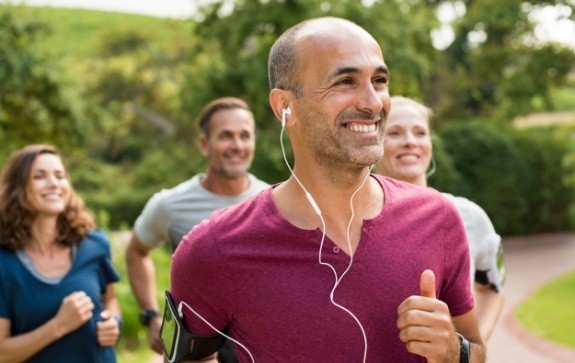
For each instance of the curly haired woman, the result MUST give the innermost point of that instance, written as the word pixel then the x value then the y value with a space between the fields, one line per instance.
pixel 57 301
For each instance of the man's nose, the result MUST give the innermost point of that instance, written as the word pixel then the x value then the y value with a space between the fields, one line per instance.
pixel 370 100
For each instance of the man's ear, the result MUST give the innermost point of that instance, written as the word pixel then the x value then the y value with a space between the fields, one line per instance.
pixel 279 101
pixel 203 143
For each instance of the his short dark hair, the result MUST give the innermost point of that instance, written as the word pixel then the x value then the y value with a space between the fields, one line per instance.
pixel 224 103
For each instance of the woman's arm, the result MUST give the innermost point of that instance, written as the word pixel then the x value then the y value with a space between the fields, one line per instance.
pixel 489 304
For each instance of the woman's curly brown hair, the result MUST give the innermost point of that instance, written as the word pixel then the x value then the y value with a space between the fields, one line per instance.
pixel 16 212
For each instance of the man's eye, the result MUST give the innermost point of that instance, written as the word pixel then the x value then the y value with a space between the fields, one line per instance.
pixel 381 80
pixel 345 81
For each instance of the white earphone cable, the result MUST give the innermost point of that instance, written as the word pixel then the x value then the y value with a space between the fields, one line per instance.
pixel 351 253
pixel 183 303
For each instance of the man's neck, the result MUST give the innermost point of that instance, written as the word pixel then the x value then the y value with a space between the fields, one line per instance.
pixel 332 198
pixel 220 185
pixel 334 203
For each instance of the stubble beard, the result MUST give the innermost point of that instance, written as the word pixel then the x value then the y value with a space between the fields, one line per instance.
pixel 334 149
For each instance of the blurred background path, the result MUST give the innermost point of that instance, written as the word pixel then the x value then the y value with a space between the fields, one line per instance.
pixel 531 262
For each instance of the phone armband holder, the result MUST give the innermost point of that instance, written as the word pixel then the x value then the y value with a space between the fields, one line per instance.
pixel 178 343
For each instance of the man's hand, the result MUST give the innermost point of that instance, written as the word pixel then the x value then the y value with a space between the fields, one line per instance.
pixel 154 334
pixel 425 324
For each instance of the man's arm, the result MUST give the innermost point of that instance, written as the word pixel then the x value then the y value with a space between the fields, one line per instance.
pixel 142 278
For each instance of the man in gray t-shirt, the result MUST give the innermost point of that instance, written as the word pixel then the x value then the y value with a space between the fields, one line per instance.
pixel 227 141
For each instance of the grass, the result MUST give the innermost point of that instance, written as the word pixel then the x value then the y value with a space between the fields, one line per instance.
pixel 550 313
pixel 77 33
pixel 133 344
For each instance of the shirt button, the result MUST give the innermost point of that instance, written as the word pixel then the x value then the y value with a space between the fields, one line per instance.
pixel 336 249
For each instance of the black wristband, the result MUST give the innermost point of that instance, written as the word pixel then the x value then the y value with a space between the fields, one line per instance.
pixel 464 349
pixel 147 315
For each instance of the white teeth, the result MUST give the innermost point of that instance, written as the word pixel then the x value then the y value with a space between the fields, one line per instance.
pixel 361 128
pixel 409 158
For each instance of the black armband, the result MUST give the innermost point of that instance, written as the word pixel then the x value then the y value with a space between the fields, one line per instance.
pixel 178 343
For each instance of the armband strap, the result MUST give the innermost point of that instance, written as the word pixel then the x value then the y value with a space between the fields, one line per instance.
pixel 203 346
pixel 464 349
pixel 180 344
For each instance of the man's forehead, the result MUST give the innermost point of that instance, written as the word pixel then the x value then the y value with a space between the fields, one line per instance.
pixel 334 52
pixel 328 26
pixel 335 36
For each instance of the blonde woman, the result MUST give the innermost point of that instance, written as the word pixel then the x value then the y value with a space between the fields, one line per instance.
pixel 407 157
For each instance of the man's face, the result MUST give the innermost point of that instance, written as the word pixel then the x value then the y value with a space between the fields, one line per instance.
pixel 230 145
pixel 345 98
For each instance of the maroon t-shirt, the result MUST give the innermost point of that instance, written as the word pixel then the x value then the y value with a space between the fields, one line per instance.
pixel 251 269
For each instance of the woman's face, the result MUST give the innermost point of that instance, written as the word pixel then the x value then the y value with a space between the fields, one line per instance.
pixel 49 189
pixel 407 145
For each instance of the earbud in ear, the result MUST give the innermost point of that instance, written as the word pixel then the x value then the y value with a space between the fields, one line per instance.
pixel 285 112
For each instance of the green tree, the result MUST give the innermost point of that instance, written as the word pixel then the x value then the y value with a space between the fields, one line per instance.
pixel 495 65
pixel 34 103
pixel 133 87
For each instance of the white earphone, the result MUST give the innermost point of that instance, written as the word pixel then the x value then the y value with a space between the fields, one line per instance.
pixel 285 112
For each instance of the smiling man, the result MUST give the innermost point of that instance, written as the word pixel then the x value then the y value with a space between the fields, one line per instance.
pixel 227 140
pixel 335 264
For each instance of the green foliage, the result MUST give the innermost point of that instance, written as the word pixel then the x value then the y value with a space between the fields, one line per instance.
pixel 446 177
pixel 549 312
pixel 563 97
pixel 522 178
pixel 492 169
pixel 33 106
pixel 74 33
pixel 549 186
pixel 495 65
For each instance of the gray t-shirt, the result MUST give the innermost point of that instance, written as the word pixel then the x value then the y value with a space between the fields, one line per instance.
pixel 171 213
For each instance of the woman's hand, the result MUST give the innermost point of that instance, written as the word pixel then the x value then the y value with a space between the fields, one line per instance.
pixel 108 329
pixel 74 311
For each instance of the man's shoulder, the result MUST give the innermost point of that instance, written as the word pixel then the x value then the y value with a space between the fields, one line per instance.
pixel 168 196
pixel 404 189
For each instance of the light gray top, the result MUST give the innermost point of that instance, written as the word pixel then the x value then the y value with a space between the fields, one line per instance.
pixel 171 213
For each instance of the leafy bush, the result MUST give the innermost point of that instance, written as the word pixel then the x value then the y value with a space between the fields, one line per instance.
pixel 522 178
pixel 549 188
pixel 493 171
